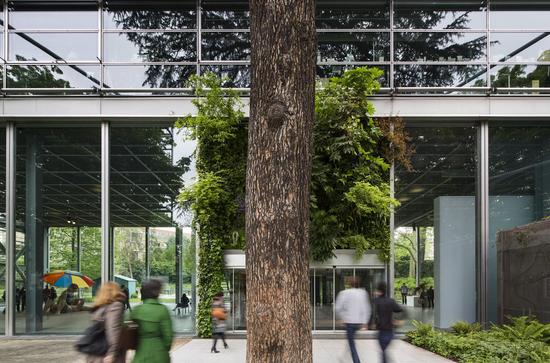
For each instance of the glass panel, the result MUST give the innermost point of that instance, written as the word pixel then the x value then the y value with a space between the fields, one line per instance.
pixel 312 297
pixel 44 17
pixel 345 14
pixel 228 297
pixel 53 46
pixel 234 76
pixel 53 76
pixel 148 76
pixel 59 188
pixel 440 76
pixel 240 300
pixel 520 76
pixel 520 14
pixel 225 46
pixel 225 15
pixel 146 176
pixel 327 71
pixel 443 47
pixel 341 285
pixel 518 221
pixel 369 279
pixel 324 299
pixel 520 47
pixel 440 14
pixel 129 259
pixel 2 226
pixel 151 15
pixel 358 47
pixel 150 47
pixel 436 221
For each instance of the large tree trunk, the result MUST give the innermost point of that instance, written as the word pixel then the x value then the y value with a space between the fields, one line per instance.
pixel 277 180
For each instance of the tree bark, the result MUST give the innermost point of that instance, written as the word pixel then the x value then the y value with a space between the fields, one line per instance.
pixel 277 181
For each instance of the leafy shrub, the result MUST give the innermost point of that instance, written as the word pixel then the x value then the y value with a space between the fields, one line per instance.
pixel 521 341
pixel 464 328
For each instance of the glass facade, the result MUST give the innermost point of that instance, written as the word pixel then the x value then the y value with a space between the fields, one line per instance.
pixel 439 46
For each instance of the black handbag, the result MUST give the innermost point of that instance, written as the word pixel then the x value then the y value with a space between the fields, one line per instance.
pixel 128 336
pixel 94 341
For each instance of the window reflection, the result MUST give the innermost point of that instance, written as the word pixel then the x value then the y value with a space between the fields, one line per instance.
pixel 52 76
pixel 53 46
pixel 443 47
pixel 440 76
pixel 237 76
pixel 440 14
pixel 46 17
pixel 226 46
pixel 520 14
pixel 151 14
pixel 531 76
pixel 353 47
pixel 148 76
pixel 150 47
pixel 345 14
pixel 225 15
pixel 520 47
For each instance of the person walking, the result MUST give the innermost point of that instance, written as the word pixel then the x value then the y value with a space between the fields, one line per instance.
pixel 219 315
pixel 108 307
pixel 384 308
pixel 431 296
pixel 353 308
pixel 404 292
pixel 154 326
pixel 126 293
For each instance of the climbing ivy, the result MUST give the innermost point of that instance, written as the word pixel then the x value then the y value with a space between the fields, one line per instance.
pixel 350 191
pixel 217 197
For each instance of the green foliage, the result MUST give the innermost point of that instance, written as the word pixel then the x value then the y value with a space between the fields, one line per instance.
pixel 350 193
pixel 217 198
pixel 472 345
pixel 524 328
pixel 463 327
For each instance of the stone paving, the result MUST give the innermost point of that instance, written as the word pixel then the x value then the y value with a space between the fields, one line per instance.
pixel 60 350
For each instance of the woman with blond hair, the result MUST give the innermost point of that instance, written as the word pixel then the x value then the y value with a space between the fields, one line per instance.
pixel 109 308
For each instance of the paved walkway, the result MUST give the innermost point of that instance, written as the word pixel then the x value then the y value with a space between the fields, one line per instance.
pixel 324 351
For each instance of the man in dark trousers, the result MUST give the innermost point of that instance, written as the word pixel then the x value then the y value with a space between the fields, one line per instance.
pixel 431 295
pixel 384 307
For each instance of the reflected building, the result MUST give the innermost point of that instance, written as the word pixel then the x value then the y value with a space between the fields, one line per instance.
pixel 92 164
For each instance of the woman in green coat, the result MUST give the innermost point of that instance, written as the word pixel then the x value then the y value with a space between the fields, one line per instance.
pixel 154 326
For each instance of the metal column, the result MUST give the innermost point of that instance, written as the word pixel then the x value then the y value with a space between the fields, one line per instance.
pixel 105 222
pixel 391 265
pixel 10 228
pixel 482 220
pixel 78 250
pixel 418 256
pixel 147 255
pixel 179 276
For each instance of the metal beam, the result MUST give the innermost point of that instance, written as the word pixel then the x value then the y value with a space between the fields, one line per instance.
pixel 482 221
pixel 105 221
pixel 10 228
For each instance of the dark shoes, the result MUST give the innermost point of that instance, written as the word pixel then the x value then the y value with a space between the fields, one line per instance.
pixel 225 345
pixel 213 350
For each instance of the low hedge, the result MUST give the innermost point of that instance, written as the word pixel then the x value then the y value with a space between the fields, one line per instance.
pixel 523 340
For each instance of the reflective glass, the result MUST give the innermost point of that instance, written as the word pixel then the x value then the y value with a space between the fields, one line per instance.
pixel 151 15
pixel 518 279
pixel 352 14
pixel 443 47
pixel 359 47
pixel 440 14
pixel 340 284
pixel 520 14
pixel 324 299
pixel 53 76
pixel 53 46
pixel 47 18
pixel 234 76
pixel 148 76
pixel 328 71
pixel 59 193
pixel 225 46
pixel 520 47
pixel 440 76
pixel 521 76
pixel 239 301
pixel 225 15
pixel 438 204
pixel 146 171
pixel 150 47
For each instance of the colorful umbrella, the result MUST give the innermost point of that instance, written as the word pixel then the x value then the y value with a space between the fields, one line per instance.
pixel 66 278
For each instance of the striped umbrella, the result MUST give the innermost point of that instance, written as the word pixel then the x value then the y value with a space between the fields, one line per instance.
pixel 67 278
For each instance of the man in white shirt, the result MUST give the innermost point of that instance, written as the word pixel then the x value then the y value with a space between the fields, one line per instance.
pixel 353 308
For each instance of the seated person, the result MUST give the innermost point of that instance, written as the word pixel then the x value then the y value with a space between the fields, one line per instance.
pixel 68 302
